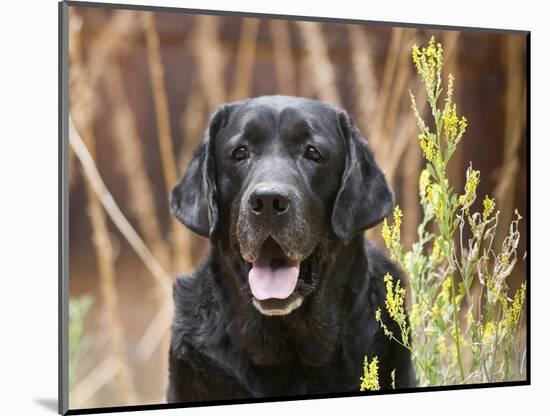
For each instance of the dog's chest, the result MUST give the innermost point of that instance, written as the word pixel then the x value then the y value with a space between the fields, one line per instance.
pixel 294 377
pixel 302 380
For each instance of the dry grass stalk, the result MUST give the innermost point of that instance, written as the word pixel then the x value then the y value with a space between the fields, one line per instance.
pixel 377 122
pixel 92 382
pixel 305 85
pixel 129 146
pixel 98 186
pixel 365 88
pixel 398 91
pixel 210 61
pixel 85 99
pixel 406 134
pixel 284 61
pixel 505 191
pixel 109 294
pixel 385 87
pixel 245 58
pixel 100 237
pixel 209 90
pixel 160 98
pixel 404 140
pixel 115 37
pixel 180 237
pixel 130 151
pixel 193 122
pixel 321 69
pixel 73 173
pixel 155 333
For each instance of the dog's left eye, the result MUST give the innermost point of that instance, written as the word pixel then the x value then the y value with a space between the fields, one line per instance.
pixel 240 153
pixel 313 154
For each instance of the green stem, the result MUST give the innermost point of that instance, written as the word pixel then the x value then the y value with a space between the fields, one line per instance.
pixel 495 346
pixel 421 364
pixel 457 334
pixel 440 170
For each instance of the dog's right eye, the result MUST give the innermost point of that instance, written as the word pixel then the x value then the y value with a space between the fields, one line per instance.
pixel 313 154
pixel 240 153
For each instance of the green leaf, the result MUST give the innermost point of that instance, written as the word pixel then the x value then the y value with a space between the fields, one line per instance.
pixel 443 227
pixel 449 153
pixel 430 170
pixel 454 200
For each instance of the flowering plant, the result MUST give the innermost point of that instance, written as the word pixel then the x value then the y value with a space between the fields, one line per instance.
pixel 464 325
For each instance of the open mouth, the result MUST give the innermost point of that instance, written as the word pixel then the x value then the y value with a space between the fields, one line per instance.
pixel 278 283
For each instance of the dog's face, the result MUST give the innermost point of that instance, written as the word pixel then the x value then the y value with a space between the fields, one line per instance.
pixel 275 179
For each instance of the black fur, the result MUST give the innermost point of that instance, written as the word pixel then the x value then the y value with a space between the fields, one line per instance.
pixel 222 347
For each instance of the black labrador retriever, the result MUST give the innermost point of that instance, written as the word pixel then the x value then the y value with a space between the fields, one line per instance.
pixel 284 303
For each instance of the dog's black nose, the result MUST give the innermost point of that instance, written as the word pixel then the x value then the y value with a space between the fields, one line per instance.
pixel 269 201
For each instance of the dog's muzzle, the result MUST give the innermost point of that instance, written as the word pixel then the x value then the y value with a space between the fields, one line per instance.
pixel 278 283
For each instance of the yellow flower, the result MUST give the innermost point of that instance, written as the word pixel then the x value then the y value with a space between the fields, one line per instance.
pixel 472 181
pixel 392 233
pixel 504 259
pixel 488 207
pixel 488 331
pixel 512 313
pixel 437 252
pixel 435 198
pixel 395 299
pixel 453 127
pixel 439 308
pixel 450 122
pixel 397 215
pixel 445 287
pixel 423 184
pixel 462 124
pixel 450 90
pixel 427 145
pixel 428 63
pixel 378 315
pixel 369 381
pixel 386 233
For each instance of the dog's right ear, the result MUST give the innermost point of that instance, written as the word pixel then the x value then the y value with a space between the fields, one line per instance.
pixel 194 199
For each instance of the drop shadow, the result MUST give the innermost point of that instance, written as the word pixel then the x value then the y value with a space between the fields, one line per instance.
pixel 49 404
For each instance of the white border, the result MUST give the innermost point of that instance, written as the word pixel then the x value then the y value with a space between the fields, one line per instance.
pixel 28 220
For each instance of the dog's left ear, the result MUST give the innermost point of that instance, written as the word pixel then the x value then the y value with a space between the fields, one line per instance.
pixel 364 198
pixel 194 198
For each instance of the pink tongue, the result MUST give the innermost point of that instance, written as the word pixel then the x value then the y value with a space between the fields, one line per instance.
pixel 267 283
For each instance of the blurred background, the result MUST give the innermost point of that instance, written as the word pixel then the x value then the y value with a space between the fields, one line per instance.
pixel 142 88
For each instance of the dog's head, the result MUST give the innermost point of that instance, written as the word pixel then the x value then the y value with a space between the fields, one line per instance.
pixel 276 178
